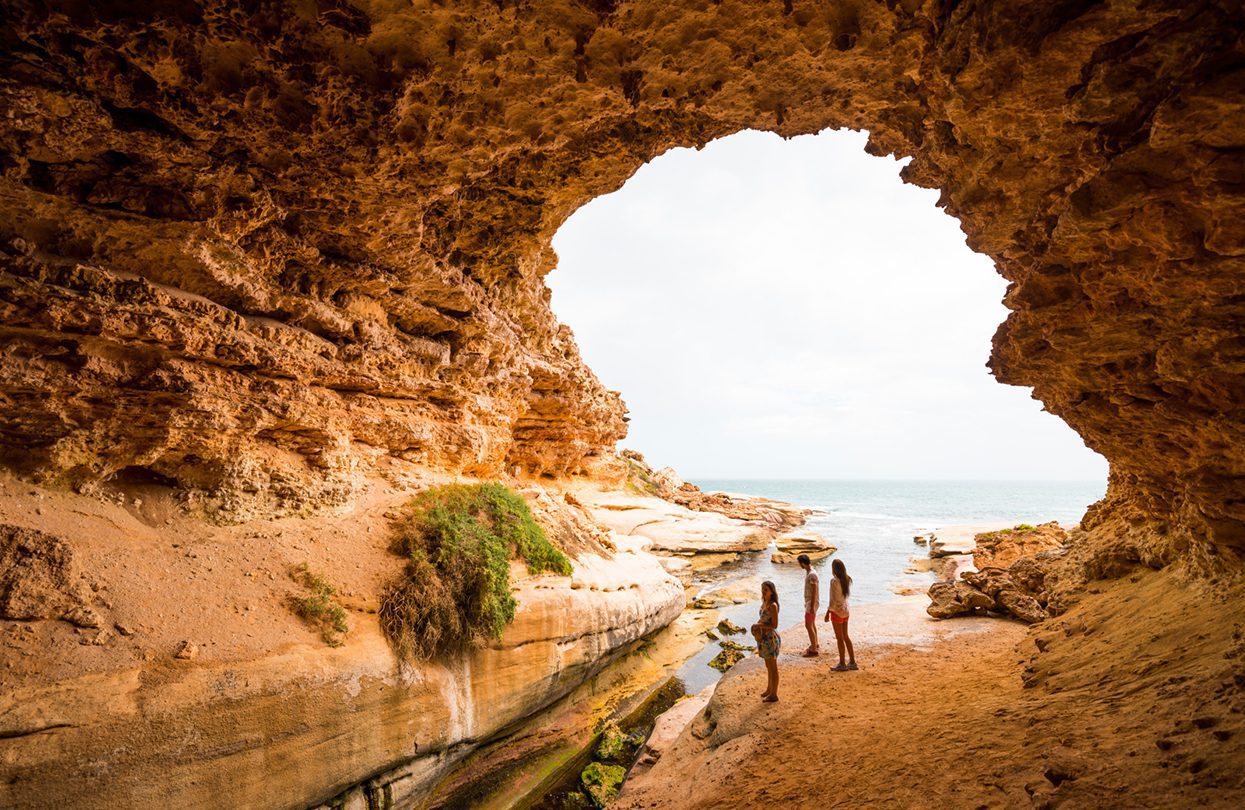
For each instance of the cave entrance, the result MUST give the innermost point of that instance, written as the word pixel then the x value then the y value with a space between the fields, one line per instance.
pixel 778 308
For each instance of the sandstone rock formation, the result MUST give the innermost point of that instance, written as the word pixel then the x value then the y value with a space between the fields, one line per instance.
pixel 632 472
pixel 792 544
pixel 1018 587
pixel 248 251
pixel 999 549
pixel 672 529
pixel 215 679
pixel 254 256
pixel 669 725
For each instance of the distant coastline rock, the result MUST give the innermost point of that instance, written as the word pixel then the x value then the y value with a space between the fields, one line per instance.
pixel 792 544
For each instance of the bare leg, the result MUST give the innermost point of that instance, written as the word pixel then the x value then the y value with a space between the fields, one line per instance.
pixel 851 653
pixel 811 626
pixel 840 638
pixel 771 669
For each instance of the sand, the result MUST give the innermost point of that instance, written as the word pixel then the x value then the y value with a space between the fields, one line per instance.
pixel 1119 711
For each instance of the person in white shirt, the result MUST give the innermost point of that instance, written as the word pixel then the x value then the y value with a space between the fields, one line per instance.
pixel 812 600
pixel 838 613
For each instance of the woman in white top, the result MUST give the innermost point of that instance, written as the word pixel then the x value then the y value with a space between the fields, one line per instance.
pixel 838 613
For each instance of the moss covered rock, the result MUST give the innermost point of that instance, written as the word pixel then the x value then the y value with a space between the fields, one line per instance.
pixel 602 781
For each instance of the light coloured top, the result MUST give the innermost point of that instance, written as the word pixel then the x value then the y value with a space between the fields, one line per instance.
pixel 812 592
pixel 838 602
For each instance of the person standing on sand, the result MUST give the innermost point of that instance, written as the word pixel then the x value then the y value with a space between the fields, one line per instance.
pixel 765 631
pixel 812 601
pixel 837 614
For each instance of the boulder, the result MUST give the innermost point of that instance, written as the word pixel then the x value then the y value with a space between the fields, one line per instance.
pixel 1015 592
pixel 949 599
pixel 729 627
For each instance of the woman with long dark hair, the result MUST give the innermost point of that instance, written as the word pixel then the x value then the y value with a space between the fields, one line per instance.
pixel 838 613
pixel 765 631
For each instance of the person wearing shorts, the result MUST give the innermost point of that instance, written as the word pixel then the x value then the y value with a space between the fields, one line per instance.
pixel 838 613
pixel 812 601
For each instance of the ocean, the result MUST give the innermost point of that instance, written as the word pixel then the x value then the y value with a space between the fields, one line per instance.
pixel 872 524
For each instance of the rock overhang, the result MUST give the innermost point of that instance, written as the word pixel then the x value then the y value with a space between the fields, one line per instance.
pixel 252 249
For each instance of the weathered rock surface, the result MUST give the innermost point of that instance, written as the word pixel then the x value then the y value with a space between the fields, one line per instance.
pixel 1019 591
pixel 672 529
pixel 39 579
pixel 792 544
pixel 191 697
pixel 949 599
pixel 248 252
pixel 669 725
pixel 1001 548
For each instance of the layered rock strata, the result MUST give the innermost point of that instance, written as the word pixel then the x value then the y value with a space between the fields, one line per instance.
pixel 247 250
pixel 100 708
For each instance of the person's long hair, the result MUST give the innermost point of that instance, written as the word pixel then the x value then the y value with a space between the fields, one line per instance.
pixel 773 592
pixel 840 573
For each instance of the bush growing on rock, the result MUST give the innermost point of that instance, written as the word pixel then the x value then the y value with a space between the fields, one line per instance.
pixel 458 540
pixel 319 606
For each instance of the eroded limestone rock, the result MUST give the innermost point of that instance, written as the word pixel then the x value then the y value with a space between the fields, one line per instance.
pixel 247 253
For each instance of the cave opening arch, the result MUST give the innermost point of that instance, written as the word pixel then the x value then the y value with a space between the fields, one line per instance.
pixel 788 308
pixel 320 237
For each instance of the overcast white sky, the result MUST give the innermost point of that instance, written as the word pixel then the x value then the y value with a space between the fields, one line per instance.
pixel 791 309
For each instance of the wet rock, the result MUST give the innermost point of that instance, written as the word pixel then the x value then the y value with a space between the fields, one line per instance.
pixel 617 747
pixel 729 627
pixel 731 654
pixel 602 781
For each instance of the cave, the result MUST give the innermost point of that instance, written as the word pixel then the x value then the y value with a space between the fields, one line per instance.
pixel 268 249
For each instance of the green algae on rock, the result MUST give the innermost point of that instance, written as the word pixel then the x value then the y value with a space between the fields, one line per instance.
pixel 732 653
pixel 602 782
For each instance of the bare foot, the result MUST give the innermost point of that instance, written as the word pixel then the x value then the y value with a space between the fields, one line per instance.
pixel 770 699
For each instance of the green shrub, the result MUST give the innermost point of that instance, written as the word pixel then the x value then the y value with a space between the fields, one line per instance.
pixel 1024 527
pixel 319 607
pixel 458 540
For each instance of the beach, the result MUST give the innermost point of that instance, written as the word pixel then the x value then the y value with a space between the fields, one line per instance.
pixel 1105 716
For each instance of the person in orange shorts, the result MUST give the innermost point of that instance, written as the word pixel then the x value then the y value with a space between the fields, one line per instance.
pixel 838 613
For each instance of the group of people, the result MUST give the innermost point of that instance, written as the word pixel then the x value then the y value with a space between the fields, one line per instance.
pixel 765 631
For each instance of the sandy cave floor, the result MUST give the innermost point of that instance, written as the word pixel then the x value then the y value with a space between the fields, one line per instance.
pixel 1121 710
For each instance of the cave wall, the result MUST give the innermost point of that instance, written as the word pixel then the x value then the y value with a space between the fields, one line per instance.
pixel 254 248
